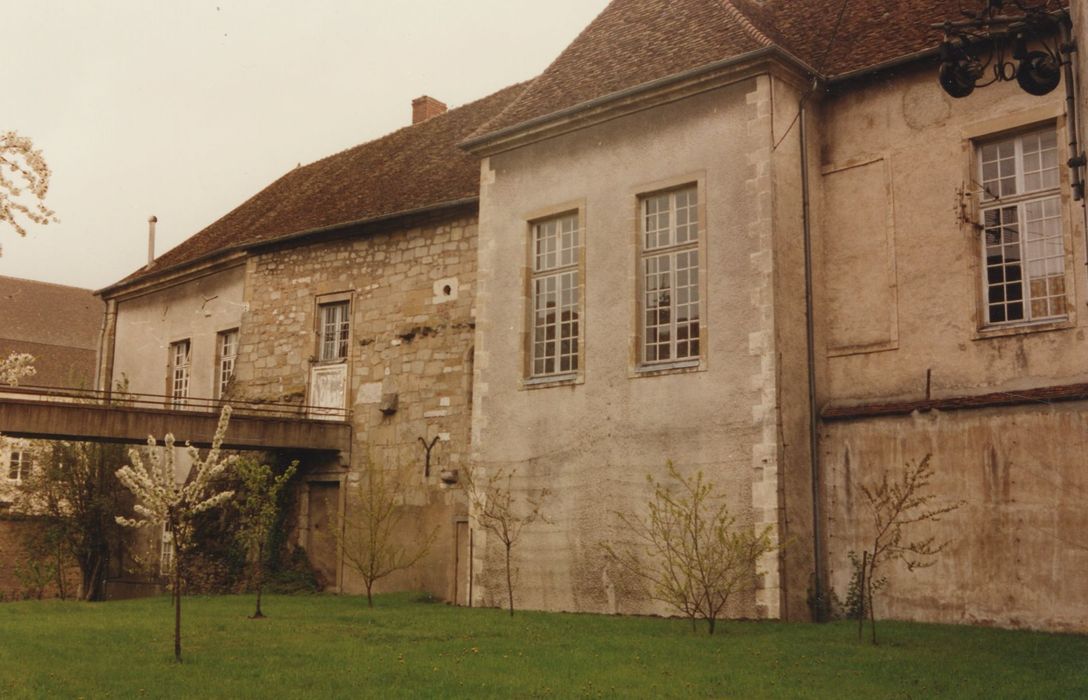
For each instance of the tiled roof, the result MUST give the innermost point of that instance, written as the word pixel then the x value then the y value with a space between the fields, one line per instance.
pixel 633 42
pixel 415 167
pixel 59 325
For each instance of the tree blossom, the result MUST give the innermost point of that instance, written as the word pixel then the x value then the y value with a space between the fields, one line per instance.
pixel 161 500
pixel 24 182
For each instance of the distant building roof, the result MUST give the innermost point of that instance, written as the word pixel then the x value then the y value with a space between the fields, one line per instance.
pixel 415 167
pixel 57 324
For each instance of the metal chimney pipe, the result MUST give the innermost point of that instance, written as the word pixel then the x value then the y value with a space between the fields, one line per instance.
pixel 151 239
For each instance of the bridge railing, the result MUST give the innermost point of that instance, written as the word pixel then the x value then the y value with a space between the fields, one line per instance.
pixel 196 404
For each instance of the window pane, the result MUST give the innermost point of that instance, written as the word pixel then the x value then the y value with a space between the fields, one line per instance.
pixel 335 329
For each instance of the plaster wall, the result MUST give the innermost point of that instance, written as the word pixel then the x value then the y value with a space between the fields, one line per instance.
pixel 592 441
pixel 899 261
pixel 147 325
pixel 1017 552
pixel 411 294
pixel 899 293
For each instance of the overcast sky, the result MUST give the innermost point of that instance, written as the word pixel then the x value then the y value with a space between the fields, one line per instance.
pixel 185 109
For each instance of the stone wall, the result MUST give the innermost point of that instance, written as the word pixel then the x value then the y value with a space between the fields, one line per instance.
pixel 411 295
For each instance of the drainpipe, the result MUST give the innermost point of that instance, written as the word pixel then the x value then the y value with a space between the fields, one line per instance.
pixel 1077 159
pixel 106 340
pixel 814 420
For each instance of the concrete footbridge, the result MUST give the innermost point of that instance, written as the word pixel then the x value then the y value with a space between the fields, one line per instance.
pixel 52 413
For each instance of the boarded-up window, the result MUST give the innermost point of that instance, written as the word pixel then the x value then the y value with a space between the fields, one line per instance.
pixel 859 260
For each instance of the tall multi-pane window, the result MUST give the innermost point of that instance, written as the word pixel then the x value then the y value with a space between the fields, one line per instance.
pixel 179 373
pixel 670 276
pixel 226 351
pixel 333 330
pixel 19 465
pixel 1023 249
pixel 556 296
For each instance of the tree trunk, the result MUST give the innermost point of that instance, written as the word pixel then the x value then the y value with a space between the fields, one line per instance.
pixel 177 609
pixel 260 580
pixel 369 597
pixel 509 580
pixel 872 614
pixel 710 620
pixel 862 591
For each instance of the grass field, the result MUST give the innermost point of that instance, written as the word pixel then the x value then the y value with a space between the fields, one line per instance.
pixel 325 646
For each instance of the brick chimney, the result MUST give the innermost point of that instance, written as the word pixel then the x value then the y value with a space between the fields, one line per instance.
pixel 423 108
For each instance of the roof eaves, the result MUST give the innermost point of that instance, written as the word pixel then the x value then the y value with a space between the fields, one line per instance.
pixel 202 263
pixel 771 51
pixel 369 221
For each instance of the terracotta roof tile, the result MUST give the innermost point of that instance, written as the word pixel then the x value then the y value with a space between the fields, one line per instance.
pixel 414 167
pixel 633 42
pixel 57 324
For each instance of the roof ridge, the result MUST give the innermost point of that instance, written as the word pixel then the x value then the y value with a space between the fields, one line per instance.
pixel 51 284
pixel 746 23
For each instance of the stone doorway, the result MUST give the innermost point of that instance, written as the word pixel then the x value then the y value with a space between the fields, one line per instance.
pixel 323 507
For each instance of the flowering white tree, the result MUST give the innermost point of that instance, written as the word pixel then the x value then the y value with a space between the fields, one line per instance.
pixel 24 182
pixel 161 500
pixel 15 367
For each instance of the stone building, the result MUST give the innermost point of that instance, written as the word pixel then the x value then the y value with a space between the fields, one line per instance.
pixel 345 286
pixel 687 153
pixel 755 239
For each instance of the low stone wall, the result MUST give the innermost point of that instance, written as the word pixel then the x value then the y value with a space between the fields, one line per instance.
pixel 16 583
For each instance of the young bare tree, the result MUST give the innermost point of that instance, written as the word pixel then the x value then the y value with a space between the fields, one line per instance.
pixel 370 525
pixel 494 508
pixel 258 506
pixel 895 505
pixel 688 550
pixel 162 501
pixel 24 183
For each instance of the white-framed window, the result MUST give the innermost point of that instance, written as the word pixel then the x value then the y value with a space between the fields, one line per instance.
pixel 556 295
pixel 671 306
pixel 333 329
pixel 180 358
pixel 226 349
pixel 1023 247
pixel 19 465
pixel 166 557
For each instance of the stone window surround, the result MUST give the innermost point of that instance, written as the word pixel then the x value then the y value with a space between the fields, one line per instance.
pixel 636 366
pixel 532 218
pixel 990 129
pixel 179 374
pixel 321 300
pixel 224 364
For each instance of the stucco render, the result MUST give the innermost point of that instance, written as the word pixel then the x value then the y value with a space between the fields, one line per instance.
pixel 411 292
pixel 593 441
pixel 899 289
pixel 1018 549
pixel 899 295
pixel 147 324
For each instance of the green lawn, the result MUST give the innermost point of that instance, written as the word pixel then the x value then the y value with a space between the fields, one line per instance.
pixel 326 646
